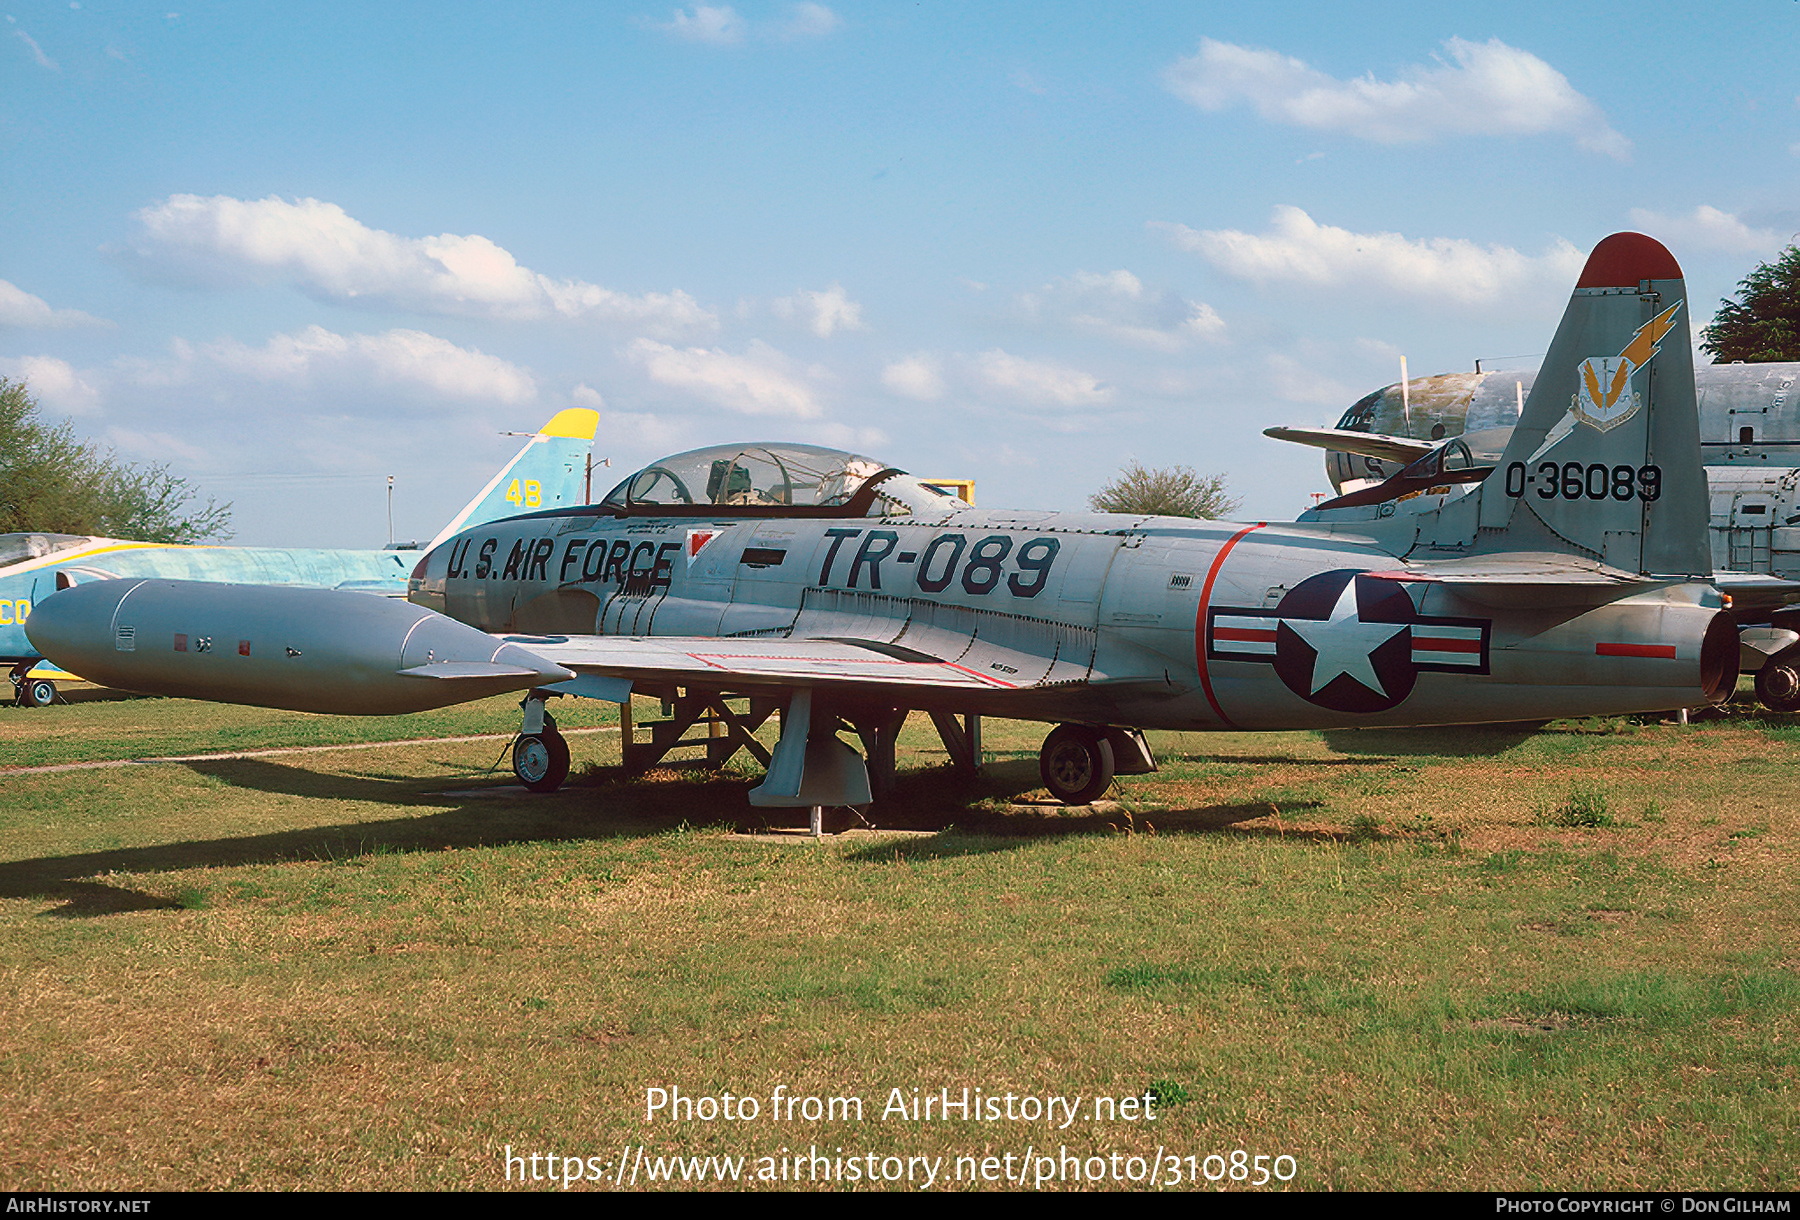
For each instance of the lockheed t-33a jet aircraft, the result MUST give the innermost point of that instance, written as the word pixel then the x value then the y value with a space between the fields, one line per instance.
pixel 845 594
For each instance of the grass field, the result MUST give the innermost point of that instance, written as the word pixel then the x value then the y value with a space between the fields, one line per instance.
pixel 1483 959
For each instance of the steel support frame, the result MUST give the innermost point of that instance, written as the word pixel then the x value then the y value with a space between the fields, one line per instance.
pixel 727 731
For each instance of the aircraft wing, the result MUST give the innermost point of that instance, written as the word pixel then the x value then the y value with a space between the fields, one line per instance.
pixel 774 662
pixel 1364 444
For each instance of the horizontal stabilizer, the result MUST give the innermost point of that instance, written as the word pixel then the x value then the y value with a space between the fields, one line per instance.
pixel 1364 444
pixel 1526 579
pixel 1753 593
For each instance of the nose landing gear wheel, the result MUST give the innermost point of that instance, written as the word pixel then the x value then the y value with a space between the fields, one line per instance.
pixel 541 760
pixel 1076 764
pixel 1778 683
pixel 37 692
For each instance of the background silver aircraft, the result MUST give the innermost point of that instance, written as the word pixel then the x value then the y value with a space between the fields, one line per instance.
pixel 1749 417
pixel 845 594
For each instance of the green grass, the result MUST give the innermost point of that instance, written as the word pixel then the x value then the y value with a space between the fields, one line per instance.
pixel 1365 951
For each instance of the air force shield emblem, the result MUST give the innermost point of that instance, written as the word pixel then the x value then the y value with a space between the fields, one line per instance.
pixel 1604 396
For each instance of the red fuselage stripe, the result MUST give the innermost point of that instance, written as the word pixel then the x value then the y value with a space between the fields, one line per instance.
pixel 1206 589
pixel 1439 644
pixel 1244 634
pixel 1664 651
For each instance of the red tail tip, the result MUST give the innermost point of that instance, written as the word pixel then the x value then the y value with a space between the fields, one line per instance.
pixel 1625 259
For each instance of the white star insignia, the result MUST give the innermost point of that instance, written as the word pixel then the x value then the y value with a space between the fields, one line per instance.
pixel 1344 643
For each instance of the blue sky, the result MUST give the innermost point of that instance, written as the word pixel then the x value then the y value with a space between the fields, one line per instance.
pixel 292 249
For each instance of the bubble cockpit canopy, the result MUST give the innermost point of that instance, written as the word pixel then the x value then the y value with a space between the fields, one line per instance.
pixel 773 480
pixel 17 548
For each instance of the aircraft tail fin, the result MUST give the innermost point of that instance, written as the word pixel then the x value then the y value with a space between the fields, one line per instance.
pixel 547 473
pixel 1605 461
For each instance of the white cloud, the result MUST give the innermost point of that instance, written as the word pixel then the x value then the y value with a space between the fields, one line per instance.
pixel 915 377
pixel 1040 382
pixel 1021 79
pixel 331 256
pixel 20 308
pixel 823 313
pixel 159 446
pixel 1709 228
pixel 37 52
pixel 585 395
pixel 635 431
pixel 403 359
pixel 1117 305
pixel 1297 249
pixel 718 25
pixel 721 25
pixel 810 21
pixel 1485 89
pixel 845 436
pixel 53 382
pixel 762 382
pixel 1292 381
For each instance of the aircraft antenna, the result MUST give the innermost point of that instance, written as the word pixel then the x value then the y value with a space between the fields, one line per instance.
pixel 1405 397
pixel 587 488
pixel 390 508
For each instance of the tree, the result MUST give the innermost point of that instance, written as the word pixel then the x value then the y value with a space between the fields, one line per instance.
pixel 1763 325
pixel 1175 492
pixel 52 483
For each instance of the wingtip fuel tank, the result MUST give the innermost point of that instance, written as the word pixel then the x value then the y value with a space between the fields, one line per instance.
pixel 305 650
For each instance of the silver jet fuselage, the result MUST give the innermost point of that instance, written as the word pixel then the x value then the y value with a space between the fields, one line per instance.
pixel 1090 617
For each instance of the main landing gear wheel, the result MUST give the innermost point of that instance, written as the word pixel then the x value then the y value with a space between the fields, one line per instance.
pixel 541 760
pixel 37 692
pixel 1778 682
pixel 1076 763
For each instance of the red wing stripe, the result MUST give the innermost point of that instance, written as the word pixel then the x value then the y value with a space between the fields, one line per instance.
pixel 974 673
pixel 1665 652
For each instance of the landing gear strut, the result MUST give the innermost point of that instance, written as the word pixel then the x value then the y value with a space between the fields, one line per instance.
pixel 540 756
pixel 29 691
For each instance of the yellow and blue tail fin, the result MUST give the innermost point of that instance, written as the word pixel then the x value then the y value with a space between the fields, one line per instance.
pixel 549 472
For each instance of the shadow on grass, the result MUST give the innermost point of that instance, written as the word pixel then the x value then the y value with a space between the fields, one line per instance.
pixel 1281 760
pixel 1462 741
pixel 97 694
pixel 638 809
pixel 986 812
